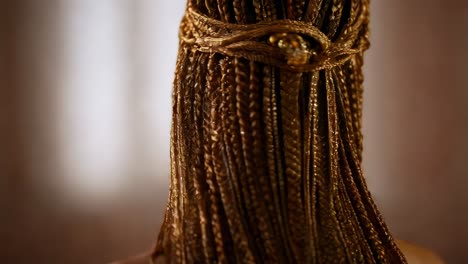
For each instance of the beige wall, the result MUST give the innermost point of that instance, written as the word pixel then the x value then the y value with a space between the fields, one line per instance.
pixel 85 111
pixel 416 121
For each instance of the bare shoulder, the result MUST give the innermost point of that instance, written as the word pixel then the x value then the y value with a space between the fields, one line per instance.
pixel 418 255
pixel 144 258
pixel 413 253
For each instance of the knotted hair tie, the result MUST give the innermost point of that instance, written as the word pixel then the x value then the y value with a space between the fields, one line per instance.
pixel 293 45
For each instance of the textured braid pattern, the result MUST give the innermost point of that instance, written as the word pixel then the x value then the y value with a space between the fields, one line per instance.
pixel 238 222
pixel 291 86
pixel 266 154
pixel 291 141
pixel 200 184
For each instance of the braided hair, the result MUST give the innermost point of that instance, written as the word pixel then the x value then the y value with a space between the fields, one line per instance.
pixel 266 137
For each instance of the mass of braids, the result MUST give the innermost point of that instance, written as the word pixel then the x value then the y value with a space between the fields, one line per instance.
pixel 265 156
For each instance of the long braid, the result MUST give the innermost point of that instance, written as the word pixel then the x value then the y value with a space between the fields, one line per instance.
pixel 309 181
pixel 200 185
pixel 246 174
pixel 290 87
pixel 215 244
pixel 262 181
pixel 164 244
pixel 259 223
pixel 309 134
pixel 234 76
pixel 266 11
pixel 290 113
pixel 239 223
pixel 234 87
pixel 189 210
pixel 225 205
pixel 272 165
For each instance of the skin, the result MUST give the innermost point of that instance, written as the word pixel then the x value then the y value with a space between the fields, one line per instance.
pixel 414 254
pixel 418 255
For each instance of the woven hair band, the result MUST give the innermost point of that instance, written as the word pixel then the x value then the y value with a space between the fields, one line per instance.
pixel 293 45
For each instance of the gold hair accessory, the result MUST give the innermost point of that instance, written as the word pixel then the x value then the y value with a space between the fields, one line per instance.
pixel 272 42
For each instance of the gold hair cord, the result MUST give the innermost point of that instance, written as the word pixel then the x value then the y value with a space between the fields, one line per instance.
pixel 266 137
pixel 285 46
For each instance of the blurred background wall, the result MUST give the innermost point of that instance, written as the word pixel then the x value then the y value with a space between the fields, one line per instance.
pixel 85 113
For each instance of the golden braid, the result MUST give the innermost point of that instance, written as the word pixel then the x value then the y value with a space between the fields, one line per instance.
pixel 199 181
pixel 242 239
pixel 210 138
pixel 273 165
pixel 266 142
